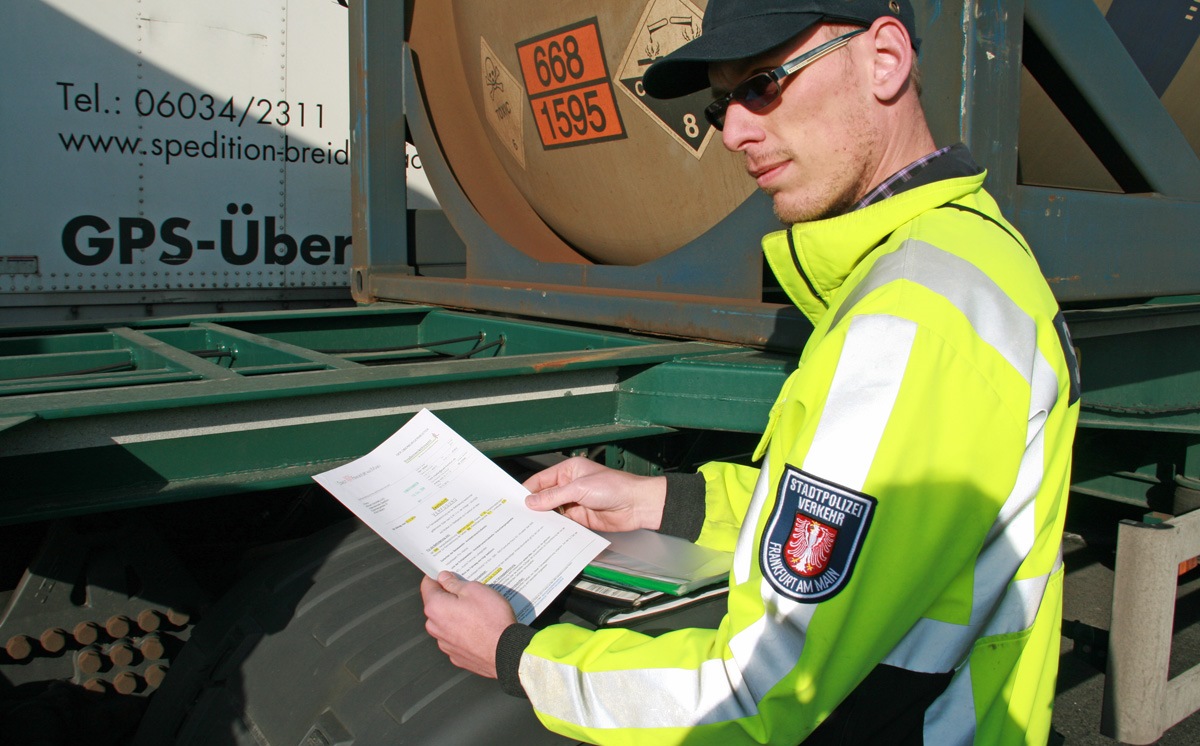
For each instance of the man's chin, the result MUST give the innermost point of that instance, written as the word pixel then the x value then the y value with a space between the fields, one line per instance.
pixel 789 213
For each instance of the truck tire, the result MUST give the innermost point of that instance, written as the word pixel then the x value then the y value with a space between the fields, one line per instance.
pixel 326 646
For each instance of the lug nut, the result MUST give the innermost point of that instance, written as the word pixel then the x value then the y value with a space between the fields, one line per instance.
pixel 150 620
pixel 86 633
pixel 126 682
pixel 19 647
pixel 54 640
pixel 152 647
pixel 118 626
pixel 155 675
pixel 122 653
pixel 97 685
pixel 90 660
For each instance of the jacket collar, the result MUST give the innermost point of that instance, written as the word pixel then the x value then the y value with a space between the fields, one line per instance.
pixel 812 260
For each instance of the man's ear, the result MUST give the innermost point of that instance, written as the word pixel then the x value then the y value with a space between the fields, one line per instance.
pixel 893 58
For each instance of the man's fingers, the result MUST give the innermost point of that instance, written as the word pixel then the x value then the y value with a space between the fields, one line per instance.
pixel 548 479
pixel 446 583
pixel 562 473
pixel 540 481
pixel 547 499
pixel 450 582
pixel 430 588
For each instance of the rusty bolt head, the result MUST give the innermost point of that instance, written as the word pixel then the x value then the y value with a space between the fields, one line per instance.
pixel 100 686
pixel 19 647
pixel 121 654
pixel 155 675
pixel 86 633
pixel 149 620
pixel 89 660
pixel 152 647
pixel 54 640
pixel 118 626
pixel 126 682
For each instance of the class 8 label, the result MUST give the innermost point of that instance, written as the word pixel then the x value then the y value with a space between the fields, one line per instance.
pixel 569 89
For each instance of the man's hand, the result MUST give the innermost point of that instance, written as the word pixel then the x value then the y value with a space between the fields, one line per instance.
pixel 467 620
pixel 598 497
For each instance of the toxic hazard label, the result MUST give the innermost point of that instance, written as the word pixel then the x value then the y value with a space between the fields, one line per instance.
pixel 570 91
pixel 665 26
pixel 502 96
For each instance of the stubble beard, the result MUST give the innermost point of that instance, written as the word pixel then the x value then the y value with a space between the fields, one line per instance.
pixel 847 183
pixel 817 210
pixel 832 200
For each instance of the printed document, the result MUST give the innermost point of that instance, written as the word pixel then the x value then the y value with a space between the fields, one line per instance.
pixel 445 506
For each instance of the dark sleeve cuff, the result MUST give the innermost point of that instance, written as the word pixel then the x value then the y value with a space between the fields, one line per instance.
pixel 509 648
pixel 683 513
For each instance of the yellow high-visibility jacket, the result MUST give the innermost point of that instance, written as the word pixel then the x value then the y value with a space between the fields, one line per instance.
pixel 903 532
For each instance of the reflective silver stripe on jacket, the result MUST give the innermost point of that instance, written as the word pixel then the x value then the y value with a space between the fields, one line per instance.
pixel 992 314
pixel 640 698
pixel 861 397
pixel 950 720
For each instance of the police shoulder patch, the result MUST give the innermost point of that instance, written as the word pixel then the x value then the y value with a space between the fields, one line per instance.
pixel 813 537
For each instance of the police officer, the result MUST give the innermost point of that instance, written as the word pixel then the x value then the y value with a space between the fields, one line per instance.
pixel 897 572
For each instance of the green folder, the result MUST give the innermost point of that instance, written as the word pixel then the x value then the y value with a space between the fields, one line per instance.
pixel 649 561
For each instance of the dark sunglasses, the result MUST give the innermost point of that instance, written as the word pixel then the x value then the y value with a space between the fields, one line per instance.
pixel 759 91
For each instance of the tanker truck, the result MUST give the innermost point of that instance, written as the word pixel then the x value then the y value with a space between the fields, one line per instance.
pixel 170 564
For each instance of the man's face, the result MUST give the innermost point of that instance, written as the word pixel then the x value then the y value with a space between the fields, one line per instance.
pixel 813 147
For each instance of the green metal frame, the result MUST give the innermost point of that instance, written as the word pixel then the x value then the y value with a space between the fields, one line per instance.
pixel 245 402
pixel 1139 424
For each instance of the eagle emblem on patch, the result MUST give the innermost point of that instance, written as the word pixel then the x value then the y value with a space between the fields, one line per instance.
pixel 814 535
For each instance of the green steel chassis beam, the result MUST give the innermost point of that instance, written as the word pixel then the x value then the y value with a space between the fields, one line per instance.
pixel 101 418
pixel 245 402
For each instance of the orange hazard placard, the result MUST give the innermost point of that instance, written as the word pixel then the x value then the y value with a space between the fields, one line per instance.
pixel 570 92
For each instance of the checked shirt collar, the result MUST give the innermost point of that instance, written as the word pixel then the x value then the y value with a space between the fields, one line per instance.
pixel 946 163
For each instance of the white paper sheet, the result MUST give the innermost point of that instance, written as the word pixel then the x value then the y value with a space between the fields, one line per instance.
pixel 445 506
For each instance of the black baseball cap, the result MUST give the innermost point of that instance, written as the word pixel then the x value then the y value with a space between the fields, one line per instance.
pixel 741 29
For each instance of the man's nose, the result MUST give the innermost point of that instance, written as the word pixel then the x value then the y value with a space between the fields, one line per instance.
pixel 741 127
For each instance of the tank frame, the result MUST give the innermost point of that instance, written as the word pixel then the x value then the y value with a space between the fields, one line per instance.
pixel 1088 254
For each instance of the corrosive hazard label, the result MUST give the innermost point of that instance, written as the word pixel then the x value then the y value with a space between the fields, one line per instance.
pixel 570 92
pixel 665 26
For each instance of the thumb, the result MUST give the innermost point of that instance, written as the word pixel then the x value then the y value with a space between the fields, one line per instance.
pixel 450 582
pixel 547 499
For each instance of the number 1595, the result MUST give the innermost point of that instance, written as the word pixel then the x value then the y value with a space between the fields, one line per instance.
pixel 574 114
